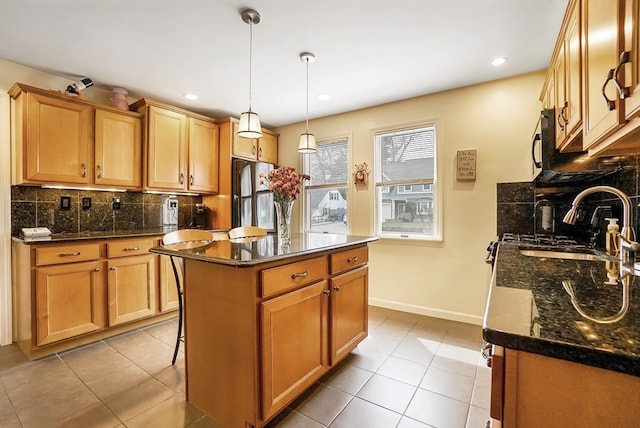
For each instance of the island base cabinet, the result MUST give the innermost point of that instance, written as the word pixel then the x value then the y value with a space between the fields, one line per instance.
pixel 540 391
pixel 349 312
pixel 132 283
pixel 69 301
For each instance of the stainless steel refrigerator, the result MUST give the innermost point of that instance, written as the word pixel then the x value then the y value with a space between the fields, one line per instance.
pixel 252 202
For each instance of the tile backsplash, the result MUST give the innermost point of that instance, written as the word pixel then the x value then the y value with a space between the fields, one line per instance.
pixel 36 206
pixel 520 205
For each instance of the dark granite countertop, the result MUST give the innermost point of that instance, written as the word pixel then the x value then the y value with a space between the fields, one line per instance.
pixel 253 251
pixel 83 236
pixel 567 309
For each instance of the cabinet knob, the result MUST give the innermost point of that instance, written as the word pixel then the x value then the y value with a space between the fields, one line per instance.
pixel 336 288
pixel 300 275
pixel 112 268
pixel 326 292
pixel 97 269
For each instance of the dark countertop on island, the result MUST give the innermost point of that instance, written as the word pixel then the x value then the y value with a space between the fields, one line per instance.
pixel 534 305
pixel 87 236
pixel 253 251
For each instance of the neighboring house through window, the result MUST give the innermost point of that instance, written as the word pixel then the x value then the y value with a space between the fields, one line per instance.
pixel 326 191
pixel 406 196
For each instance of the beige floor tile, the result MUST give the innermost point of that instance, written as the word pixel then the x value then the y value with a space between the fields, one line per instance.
pixel 406 371
pixel 456 359
pixel 138 399
pixel 347 378
pixel 94 416
pixel 367 359
pixel 388 393
pixel 12 358
pixel 417 348
pixel 360 413
pixel 448 383
pixel 174 412
pixel 173 376
pixel 481 396
pixel 437 410
pixel 380 342
pixel 294 419
pixel 406 422
pixel 113 375
pixel 8 416
pixel 205 422
pixel 478 417
pixel 324 404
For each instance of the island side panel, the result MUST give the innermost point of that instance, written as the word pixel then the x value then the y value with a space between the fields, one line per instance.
pixel 220 341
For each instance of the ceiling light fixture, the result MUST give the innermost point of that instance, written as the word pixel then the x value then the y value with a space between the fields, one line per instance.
pixel 249 124
pixel 499 61
pixel 191 97
pixel 307 141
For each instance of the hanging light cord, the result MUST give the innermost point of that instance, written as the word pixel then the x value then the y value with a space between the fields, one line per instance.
pixel 250 55
pixel 307 61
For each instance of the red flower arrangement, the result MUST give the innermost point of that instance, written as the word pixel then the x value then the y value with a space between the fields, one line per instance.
pixel 284 182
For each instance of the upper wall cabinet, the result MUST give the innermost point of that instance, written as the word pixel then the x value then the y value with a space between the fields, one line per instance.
pixel 181 149
pixel 263 149
pixel 61 140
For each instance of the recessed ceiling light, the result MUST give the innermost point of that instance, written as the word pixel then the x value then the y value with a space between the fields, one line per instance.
pixel 191 97
pixel 499 61
pixel 324 97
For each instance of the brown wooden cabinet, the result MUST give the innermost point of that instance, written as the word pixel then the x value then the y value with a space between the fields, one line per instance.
pixel 263 149
pixel 71 293
pixel 168 291
pixel 181 149
pixel 61 140
pixel 532 390
pixel 281 324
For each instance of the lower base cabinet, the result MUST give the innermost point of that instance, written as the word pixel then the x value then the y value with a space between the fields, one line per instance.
pixel 131 288
pixel 259 336
pixel 533 390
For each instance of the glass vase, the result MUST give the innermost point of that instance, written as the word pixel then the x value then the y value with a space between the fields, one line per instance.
pixel 283 219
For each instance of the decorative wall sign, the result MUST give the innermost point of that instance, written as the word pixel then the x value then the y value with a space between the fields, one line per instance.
pixel 361 173
pixel 466 165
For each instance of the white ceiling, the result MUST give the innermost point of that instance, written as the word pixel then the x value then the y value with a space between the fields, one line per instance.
pixel 368 52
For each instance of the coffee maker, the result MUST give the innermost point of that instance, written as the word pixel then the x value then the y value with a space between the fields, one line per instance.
pixel 201 216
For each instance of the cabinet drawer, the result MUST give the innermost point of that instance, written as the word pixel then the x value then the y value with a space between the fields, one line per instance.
pixel 345 260
pixel 281 278
pixel 129 247
pixel 67 254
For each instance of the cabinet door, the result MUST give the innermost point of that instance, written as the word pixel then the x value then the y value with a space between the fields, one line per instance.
pixel 168 289
pixel 560 97
pixel 203 156
pixel 573 72
pixel 118 149
pixel 167 148
pixel 602 28
pixel 632 45
pixel 131 288
pixel 70 300
pixel 243 147
pixel 294 344
pixel 59 140
pixel 268 148
pixel 349 312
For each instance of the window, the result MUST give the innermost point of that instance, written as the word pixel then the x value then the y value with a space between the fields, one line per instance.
pixel 326 192
pixel 406 198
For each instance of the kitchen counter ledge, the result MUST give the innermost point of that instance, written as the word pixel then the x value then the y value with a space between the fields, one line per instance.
pixel 87 236
pixel 530 309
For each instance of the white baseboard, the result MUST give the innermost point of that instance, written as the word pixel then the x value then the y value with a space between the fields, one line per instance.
pixel 424 310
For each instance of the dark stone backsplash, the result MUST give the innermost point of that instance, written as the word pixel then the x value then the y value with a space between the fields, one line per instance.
pixel 35 206
pixel 520 204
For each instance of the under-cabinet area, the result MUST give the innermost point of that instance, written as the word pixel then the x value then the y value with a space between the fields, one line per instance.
pixel 71 293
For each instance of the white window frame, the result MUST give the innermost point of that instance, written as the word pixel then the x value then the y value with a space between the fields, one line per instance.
pixel 436 183
pixel 305 168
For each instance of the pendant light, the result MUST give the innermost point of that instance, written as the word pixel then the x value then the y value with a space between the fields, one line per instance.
pixel 249 124
pixel 307 141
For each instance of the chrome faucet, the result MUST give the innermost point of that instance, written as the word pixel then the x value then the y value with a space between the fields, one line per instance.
pixel 626 244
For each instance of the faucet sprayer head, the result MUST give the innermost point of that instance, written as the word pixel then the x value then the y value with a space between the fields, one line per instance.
pixel 571 216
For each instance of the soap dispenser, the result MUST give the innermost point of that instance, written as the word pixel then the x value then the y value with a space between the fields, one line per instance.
pixel 611 240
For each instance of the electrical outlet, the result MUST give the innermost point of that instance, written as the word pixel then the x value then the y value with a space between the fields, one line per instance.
pixel 116 203
pixel 65 203
pixel 86 203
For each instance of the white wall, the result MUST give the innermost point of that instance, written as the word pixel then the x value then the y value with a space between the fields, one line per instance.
pixel 447 279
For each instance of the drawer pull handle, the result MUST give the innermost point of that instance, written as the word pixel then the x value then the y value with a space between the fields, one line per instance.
pixel 352 259
pixel 77 253
pixel 300 275
pixel 327 292
pixel 131 248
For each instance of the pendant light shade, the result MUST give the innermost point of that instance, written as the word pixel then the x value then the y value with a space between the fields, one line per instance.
pixel 249 124
pixel 307 141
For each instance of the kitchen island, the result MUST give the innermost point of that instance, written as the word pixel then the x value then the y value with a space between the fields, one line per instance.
pixel 263 321
pixel 566 336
